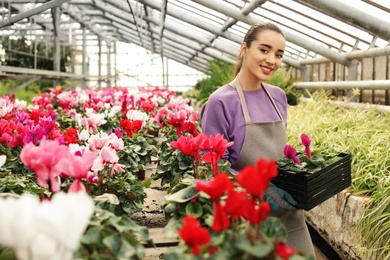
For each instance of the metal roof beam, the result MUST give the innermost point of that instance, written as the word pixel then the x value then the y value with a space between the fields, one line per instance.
pixel 13 19
pixel 77 16
pixel 354 15
pixel 252 19
pixel 22 1
pixel 205 26
pixel 148 25
pixel 230 22
pixel 122 21
pixel 175 42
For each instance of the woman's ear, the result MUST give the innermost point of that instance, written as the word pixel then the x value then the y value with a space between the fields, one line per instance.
pixel 243 50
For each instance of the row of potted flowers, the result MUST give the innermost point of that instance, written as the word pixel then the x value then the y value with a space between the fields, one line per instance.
pixel 94 142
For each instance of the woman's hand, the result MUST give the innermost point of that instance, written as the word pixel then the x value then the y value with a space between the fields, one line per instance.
pixel 279 199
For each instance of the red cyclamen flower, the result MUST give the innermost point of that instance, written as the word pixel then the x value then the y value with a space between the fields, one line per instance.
pixel 291 153
pixel 260 213
pixel 193 234
pixel 188 145
pixel 216 187
pixel 221 220
pixel 305 141
pixel 239 204
pixel 283 251
pixel 255 179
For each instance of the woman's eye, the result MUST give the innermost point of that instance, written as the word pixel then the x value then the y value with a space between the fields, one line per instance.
pixel 264 50
pixel 279 56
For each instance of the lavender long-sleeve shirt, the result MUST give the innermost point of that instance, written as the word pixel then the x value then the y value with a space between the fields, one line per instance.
pixel 222 113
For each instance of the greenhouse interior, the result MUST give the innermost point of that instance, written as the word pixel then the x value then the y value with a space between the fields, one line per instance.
pixel 117 120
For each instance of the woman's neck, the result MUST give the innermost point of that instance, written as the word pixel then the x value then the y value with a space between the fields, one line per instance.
pixel 248 82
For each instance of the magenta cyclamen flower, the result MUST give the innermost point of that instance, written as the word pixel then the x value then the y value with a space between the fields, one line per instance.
pixel 305 141
pixel 291 153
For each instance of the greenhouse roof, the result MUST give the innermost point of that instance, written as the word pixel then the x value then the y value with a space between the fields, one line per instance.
pixel 195 32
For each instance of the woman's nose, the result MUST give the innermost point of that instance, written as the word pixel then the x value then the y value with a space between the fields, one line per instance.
pixel 270 59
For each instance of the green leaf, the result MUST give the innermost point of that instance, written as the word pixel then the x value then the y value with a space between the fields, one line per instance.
pixel 274 229
pixel 119 246
pixel 122 223
pixel 92 236
pixel 257 248
pixel 108 197
pixel 7 254
pixel 183 195
pixel 194 209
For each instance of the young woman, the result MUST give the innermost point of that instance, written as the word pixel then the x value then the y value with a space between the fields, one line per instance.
pixel 253 115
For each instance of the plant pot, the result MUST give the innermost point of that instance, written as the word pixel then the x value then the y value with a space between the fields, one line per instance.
pixel 311 189
pixel 141 175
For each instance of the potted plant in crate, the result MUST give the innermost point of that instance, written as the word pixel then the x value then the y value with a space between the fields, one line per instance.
pixel 312 177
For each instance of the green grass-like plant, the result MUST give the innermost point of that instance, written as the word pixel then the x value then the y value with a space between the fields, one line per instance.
pixel 364 133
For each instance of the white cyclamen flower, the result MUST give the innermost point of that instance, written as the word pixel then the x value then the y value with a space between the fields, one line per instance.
pixel 84 135
pixel 44 230
pixel 137 115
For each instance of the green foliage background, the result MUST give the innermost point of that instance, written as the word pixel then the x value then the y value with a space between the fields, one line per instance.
pixel 222 73
pixel 19 53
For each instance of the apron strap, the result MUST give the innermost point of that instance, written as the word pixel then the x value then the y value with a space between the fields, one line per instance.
pixel 237 84
pixel 273 101
pixel 242 101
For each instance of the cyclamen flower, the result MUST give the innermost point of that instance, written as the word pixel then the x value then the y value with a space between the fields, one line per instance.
pixel 44 161
pixel 255 179
pixel 137 115
pixel 305 141
pixel 78 165
pixel 216 187
pixel 221 220
pixel 239 204
pixel 291 153
pixel 283 251
pixel 44 230
pixel 6 105
pixel 217 143
pixel 193 234
pixel 188 145
pixel 260 213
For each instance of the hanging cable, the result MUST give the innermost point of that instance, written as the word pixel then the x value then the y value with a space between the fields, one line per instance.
pixel 136 23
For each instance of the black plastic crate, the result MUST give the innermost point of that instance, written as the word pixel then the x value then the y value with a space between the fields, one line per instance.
pixel 311 189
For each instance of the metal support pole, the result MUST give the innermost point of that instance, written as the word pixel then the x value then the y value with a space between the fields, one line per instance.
pixel 167 71
pixel 115 70
pixel 25 84
pixel 109 64
pixel 306 71
pixel 100 63
pixel 352 76
pixel 163 70
pixel 56 14
pixel 84 58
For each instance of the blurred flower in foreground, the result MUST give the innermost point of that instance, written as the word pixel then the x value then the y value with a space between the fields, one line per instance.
pixel 44 230
pixel 3 158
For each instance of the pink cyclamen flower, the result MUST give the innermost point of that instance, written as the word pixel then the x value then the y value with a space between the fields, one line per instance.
pixel 291 153
pixel 44 161
pixel 305 141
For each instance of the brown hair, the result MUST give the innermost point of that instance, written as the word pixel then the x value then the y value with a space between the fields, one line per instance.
pixel 251 35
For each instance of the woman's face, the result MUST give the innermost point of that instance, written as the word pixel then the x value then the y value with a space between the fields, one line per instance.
pixel 264 56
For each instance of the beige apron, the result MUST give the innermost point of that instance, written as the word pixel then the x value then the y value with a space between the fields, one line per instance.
pixel 267 140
